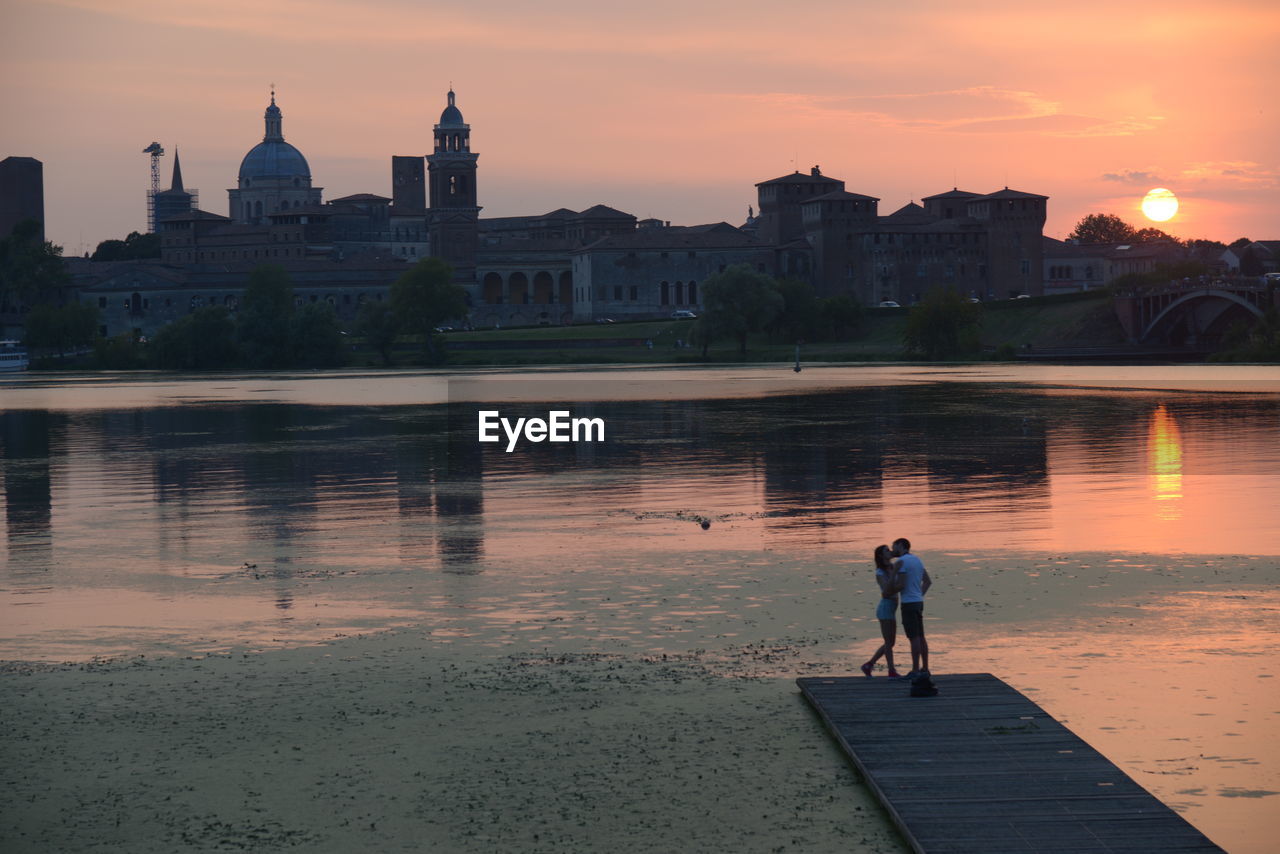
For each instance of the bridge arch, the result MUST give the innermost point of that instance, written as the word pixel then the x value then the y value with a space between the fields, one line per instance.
pixel 1184 308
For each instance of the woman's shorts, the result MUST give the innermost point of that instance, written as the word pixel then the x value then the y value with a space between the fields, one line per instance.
pixel 885 610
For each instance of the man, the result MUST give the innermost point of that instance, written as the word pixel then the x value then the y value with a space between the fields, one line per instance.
pixel 914 582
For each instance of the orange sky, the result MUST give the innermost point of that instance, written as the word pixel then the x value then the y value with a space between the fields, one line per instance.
pixel 666 109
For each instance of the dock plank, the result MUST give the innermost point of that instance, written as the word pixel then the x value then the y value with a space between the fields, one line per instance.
pixel 982 768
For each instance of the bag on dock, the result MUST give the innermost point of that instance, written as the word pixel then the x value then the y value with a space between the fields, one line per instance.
pixel 922 686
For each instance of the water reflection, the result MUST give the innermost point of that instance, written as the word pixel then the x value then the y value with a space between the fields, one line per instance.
pixel 200 500
pixel 1165 450
pixel 26 441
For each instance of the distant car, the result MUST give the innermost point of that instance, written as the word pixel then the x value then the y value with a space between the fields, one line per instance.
pixel 974 299
pixel 444 329
pixel 683 315
pixel 888 303
pixel 604 320
pixel 1023 296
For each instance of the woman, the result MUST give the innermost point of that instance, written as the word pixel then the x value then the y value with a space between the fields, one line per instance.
pixel 885 577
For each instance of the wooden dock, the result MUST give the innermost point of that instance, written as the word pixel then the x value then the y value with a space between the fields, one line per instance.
pixel 980 768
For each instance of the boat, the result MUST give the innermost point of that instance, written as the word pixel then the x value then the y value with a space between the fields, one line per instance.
pixel 13 357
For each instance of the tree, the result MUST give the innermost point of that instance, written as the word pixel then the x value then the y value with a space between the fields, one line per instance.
pixel 377 324
pixel 135 246
pixel 62 328
pixel 31 270
pixel 316 339
pixel 943 325
pixel 119 353
pixel 1102 228
pixel 263 325
pixel 737 302
pixel 1259 342
pixel 842 314
pixel 1206 251
pixel 424 297
pixel 204 340
pixel 799 317
pixel 1238 242
pixel 1153 235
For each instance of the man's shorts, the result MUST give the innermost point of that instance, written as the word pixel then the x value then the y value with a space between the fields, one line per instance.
pixel 913 619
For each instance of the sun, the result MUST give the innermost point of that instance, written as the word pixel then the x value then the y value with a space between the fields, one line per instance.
pixel 1160 205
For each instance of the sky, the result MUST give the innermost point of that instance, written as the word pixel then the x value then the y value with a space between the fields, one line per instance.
pixel 666 109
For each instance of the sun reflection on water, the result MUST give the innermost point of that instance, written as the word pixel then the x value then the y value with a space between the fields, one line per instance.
pixel 1164 450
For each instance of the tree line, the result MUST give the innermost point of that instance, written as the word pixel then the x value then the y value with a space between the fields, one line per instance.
pixel 273 330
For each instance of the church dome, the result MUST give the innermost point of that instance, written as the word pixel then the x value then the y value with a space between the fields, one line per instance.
pixel 452 116
pixel 274 159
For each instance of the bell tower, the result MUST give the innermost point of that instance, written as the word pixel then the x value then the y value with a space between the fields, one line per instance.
pixel 453 216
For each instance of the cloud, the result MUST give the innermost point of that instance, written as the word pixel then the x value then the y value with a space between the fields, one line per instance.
pixel 1236 172
pixel 1133 176
pixel 976 109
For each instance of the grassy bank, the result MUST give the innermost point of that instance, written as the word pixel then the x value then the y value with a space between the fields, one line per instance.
pixel 1046 322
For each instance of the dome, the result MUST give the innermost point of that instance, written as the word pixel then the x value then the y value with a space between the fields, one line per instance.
pixel 274 159
pixel 452 116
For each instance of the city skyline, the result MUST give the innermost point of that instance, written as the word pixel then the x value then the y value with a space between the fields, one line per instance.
pixel 674 113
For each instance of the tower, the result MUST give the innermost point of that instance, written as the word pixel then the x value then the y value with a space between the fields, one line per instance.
pixel 453 218
pixel 176 200
pixel 408 184
pixel 21 193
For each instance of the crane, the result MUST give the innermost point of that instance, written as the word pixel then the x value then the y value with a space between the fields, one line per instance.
pixel 156 152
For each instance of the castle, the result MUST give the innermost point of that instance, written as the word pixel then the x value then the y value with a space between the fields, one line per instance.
pixel 562 266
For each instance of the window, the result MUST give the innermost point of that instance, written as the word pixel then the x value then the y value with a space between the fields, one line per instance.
pixel 102 302
pixel 693 293
pixel 1026 267
pixel 617 292
pixel 635 293
pixel 665 293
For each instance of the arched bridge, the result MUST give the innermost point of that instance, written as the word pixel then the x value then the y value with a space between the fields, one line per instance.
pixel 1191 313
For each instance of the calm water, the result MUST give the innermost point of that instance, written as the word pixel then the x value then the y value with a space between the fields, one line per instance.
pixel 153 512
pixel 163 496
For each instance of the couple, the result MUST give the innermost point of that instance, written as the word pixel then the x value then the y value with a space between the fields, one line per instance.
pixel 898 571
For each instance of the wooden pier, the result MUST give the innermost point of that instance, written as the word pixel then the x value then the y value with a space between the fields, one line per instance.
pixel 980 768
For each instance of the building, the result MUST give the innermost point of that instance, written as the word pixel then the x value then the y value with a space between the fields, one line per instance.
pixel 21 193
pixel 1266 254
pixel 1088 266
pixel 568 266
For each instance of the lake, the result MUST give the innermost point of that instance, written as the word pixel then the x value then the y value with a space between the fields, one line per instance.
pixel 161 514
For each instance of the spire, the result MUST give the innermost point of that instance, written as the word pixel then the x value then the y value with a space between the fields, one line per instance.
pixel 273 120
pixel 177 173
